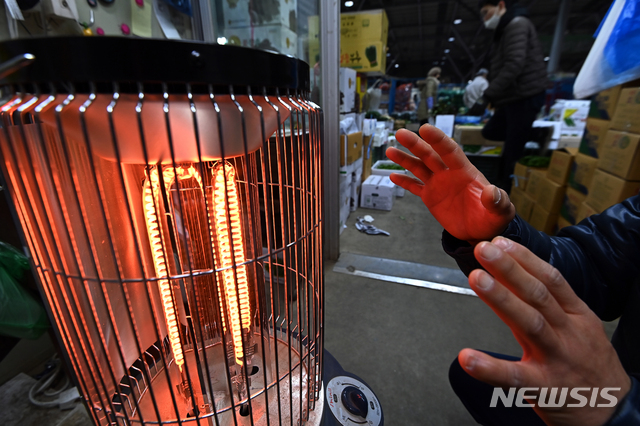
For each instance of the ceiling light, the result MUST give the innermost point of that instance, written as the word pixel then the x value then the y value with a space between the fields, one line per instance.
pixel 222 40
pixel 348 3
pixel 546 59
pixel 388 55
pixel 451 38
pixel 397 65
pixel 457 21
pixel 447 50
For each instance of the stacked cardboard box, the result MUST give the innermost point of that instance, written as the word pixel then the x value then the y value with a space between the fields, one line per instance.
pixel 268 28
pixel 363 40
pixel 607 170
pixel 351 168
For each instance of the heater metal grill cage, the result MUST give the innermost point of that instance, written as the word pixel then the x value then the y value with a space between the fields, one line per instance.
pixel 170 198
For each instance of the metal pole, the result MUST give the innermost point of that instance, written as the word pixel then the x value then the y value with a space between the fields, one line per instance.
pixel 330 73
pixel 556 47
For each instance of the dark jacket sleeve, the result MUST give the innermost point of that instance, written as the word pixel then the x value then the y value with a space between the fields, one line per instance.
pixel 514 44
pixel 628 410
pixel 599 258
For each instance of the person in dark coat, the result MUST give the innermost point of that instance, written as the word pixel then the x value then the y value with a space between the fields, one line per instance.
pixel 552 292
pixel 518 80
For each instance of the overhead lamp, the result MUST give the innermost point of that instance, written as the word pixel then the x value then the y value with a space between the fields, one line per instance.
pixel 388 54
pixel 457 21
pixel 397 65
pixel 451 39
pixel 447 50
pixel 348 3
pixel 546 59
pixel 222 40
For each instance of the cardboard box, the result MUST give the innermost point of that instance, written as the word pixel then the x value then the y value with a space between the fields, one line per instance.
pixel 571 205
pixel 522 202
pixel 472 135
pixel 535 182
pixel 350 148
pixel 620 155
pixel 627 111
pixel 585 211
pixel 607 190
pixel 574 118
pixel 266 37
pixel 562 223
pixel 347 89
pixel 521 175
pixel 369 25
pixel 550 195
pixel 543 221
pixel 367 155
pixel 376 170
pixel 356 184
pixel 377 193
pixel 364 56
pixel 560 164
pixel 239 14
pixel 581 173
pixel 604 103
pixel 593 137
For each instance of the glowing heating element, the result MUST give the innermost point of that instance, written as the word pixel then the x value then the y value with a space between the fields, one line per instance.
pixel 151 186
pixel 230 245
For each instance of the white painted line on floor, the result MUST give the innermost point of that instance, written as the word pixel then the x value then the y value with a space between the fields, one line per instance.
pixel 408 281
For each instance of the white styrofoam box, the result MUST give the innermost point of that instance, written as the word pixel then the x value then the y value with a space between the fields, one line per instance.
pixel 347 85
pixel 266 37
pixel 356 183
pixel 557 126
pixel 237 13
pixel 377 193
pixel 351 168
pixel 387 172
pixel 369 126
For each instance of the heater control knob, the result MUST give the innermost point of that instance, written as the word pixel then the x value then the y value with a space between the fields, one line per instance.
pixel 355 402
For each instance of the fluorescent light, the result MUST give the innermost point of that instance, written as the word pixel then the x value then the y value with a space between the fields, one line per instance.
pixel 457 21
pixel 451 38
pixel 348 3
pixel 447 50
pixel 222 40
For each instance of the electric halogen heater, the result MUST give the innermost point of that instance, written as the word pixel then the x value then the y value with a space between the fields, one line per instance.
pixel 170 196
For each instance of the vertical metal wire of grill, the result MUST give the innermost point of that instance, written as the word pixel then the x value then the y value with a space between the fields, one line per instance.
pixel 175 227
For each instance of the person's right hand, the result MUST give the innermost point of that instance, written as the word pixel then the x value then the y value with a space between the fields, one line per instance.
pixel 454 191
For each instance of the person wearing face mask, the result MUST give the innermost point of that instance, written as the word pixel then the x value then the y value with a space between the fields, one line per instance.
pixel 518 81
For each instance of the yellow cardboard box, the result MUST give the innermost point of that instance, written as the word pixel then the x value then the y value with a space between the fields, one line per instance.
pixel 369 25
pixel 604 103
pixel 571 205
pixel 620 155
pixel 585 211
pixel 627 111
pixel 522 203
pixel 364 56
pixel 607 190
pixel 593 137
pixel 550 195
pixel 350 148
pixel 543 221
pixel 581 173
pixel 521 175
pixel 535 182
pixel 560 164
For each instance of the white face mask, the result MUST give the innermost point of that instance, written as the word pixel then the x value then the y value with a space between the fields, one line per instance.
pixel 492 23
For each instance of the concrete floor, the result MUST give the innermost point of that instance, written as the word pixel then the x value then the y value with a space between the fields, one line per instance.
pixel 401 339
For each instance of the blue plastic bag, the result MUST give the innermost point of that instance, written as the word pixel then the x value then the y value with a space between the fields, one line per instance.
pixel 623 48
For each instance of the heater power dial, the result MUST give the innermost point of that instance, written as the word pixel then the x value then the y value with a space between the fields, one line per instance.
pixel 352 402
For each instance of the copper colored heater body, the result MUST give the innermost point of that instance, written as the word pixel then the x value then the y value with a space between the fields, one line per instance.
pixel 172 211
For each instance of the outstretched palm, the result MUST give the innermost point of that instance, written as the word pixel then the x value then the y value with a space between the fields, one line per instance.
pixel 454 191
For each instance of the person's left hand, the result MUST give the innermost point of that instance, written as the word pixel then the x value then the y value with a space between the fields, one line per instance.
pixel 563 341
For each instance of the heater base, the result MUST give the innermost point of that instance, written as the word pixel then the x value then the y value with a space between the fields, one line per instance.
pixel 333 373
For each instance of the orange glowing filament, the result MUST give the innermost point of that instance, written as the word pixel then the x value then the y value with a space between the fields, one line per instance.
pixel 231 248
pixel 152 185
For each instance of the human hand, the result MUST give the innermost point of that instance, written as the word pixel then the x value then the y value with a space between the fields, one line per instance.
pixel 454 191
pixel 564 343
